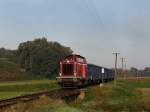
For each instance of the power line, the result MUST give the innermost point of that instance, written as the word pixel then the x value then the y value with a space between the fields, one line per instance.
pixel 93 11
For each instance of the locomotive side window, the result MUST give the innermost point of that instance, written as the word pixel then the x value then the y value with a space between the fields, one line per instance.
pixel 68 69
pixel 80 60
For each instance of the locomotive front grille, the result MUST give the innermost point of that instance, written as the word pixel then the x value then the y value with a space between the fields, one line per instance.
pixel 68 69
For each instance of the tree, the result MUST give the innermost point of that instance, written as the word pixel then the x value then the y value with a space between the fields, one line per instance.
pixel 9 54
pixel 41 57
pixel 133 71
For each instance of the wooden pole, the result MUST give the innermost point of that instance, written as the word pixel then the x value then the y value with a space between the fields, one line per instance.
pixel 115 78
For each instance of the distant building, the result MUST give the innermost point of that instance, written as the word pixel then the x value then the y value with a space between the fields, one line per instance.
pixel 147 69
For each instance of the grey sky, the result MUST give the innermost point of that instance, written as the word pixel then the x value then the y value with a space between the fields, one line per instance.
pixel 92 28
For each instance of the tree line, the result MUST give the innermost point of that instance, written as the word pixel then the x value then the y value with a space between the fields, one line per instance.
pixel 40 56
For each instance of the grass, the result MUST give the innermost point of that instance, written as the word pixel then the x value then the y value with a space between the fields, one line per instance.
pixel 12 81
pixel 17 88
pixel 44 104
pixel 10 71
pixel 128 96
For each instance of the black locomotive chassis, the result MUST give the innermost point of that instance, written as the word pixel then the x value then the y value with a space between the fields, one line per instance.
pixel 69 81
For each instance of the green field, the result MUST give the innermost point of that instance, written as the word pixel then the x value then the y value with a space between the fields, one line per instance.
pixel 127 96
pixel 11 71
pixel 16 88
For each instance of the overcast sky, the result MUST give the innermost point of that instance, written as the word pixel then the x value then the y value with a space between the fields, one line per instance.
pixel 92 28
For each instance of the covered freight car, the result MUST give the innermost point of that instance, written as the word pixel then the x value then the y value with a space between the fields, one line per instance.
pixel 74 71
pixel 98 74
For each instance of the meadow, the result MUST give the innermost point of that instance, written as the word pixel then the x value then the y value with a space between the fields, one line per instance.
pixel 16 88
pixel 127 96
pixel 130 95
pixel 15 82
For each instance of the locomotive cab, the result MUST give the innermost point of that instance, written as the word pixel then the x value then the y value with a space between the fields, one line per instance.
pixel 72 71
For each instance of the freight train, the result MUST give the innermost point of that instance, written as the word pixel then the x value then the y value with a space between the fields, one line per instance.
pixel 75 72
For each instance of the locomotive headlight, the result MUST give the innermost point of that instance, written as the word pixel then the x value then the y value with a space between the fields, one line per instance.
pixel 60 74
pixel 67 61
pixel 75 74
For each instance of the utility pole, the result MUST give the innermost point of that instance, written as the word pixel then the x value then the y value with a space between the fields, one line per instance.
pixel 116 57
pixel 122 61
pixel 137 75
pixel 125 66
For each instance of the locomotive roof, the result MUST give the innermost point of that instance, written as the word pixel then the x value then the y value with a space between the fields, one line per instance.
pixel 99 66
pixel 75 55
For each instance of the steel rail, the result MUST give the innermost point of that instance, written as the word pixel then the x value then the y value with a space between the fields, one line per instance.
pixel 60 93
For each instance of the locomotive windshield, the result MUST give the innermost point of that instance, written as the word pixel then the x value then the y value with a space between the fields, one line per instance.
pixel 68 69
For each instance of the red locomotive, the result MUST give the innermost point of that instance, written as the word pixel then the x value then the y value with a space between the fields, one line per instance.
pixel 74 72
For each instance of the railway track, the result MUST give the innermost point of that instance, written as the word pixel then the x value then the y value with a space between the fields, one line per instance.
pixel 61 93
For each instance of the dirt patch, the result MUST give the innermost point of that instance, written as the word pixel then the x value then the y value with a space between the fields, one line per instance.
pixel 81 95
pixel 144 91
pixel 135 78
